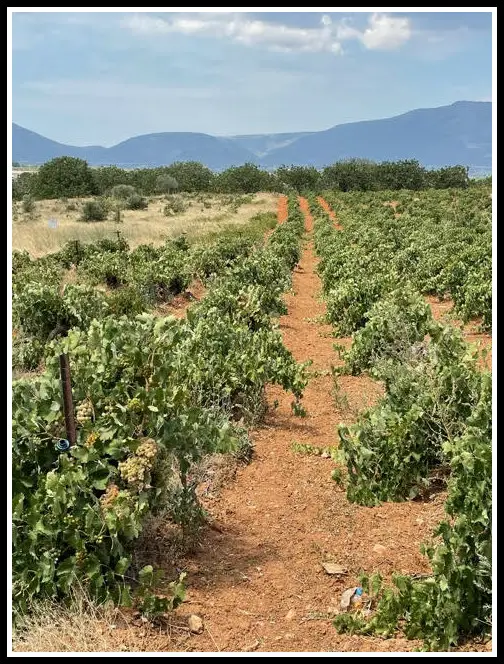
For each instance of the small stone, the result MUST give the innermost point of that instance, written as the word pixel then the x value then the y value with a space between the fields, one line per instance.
pixel 333 568
pixel 380 549
pixel 195 624
pixel 290 615
pixel 325 455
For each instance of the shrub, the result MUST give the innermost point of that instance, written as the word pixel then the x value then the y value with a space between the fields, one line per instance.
pixel 136 202
pixel 174 205
pixel 94 211
pixel 23 184
pixel 28 204
pixel 165 184
pixel 122 191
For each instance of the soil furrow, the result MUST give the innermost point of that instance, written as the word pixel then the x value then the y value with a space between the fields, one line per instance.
pixel 258 581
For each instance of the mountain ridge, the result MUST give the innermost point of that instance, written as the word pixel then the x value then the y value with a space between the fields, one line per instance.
pixel 459 133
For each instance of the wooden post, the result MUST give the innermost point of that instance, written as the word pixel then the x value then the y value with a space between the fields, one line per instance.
pixel 66 386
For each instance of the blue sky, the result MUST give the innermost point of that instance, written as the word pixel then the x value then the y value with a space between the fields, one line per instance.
pixel 99 78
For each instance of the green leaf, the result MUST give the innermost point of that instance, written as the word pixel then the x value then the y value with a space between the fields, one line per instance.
pixel 122 566
pixel 80 453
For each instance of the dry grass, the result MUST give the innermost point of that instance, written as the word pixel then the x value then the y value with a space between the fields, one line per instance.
pixel 32 233
pixel 80 627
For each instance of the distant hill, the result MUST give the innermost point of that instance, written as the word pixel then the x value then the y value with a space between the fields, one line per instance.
pixel 31 148
pixel 457 134
pixel 262 144
pixel 148 150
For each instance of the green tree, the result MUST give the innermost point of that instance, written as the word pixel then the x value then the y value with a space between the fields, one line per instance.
pixel 300 178
pixel 191 175
pixel 456 177
pixel 68 177
pixel 23 185
pixel 406 174
pixel 246 179
pixel 107 177
pixel 350 175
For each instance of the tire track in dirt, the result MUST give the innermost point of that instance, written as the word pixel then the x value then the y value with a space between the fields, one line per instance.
pixel 327 208
pixel 283 209
pixel 257 581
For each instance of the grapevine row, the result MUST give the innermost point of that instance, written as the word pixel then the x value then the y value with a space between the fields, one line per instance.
pixel 434 420
pixel 153 396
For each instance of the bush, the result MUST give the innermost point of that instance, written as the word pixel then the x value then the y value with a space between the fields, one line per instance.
pixel 28 204
pixel 126 301
pixel 136 202
pixel 23 185
pixel 94 211
pixel 123 191
pixel 165 184
pixel 174 205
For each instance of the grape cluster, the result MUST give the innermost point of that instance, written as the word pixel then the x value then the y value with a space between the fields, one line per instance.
pixel 134 405
pixel 84 412
pixel 133 469
pixel 108 498
pixel 108 409
pixel 71 521
pixel 91 439
pixel 148 448
pixel 80 557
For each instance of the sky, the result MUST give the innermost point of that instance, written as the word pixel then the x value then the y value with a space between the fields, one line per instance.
pixel 97 78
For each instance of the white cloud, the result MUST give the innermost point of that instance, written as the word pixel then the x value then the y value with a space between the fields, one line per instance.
pixel 383 32
pixel 386 32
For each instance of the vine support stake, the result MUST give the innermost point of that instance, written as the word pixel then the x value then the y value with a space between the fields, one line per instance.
pixel 66 386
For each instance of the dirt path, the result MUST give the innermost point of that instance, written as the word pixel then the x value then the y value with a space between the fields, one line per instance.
pixel 325 206
pixel 258 582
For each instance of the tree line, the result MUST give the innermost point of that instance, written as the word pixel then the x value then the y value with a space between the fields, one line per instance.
pixel 70 177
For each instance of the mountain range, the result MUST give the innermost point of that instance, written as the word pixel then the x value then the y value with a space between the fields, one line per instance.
pixel 460 133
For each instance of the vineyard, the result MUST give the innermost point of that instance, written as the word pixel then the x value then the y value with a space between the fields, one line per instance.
pixel 315 358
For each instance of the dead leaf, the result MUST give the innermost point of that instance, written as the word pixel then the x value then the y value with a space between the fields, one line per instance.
pixel 346 597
